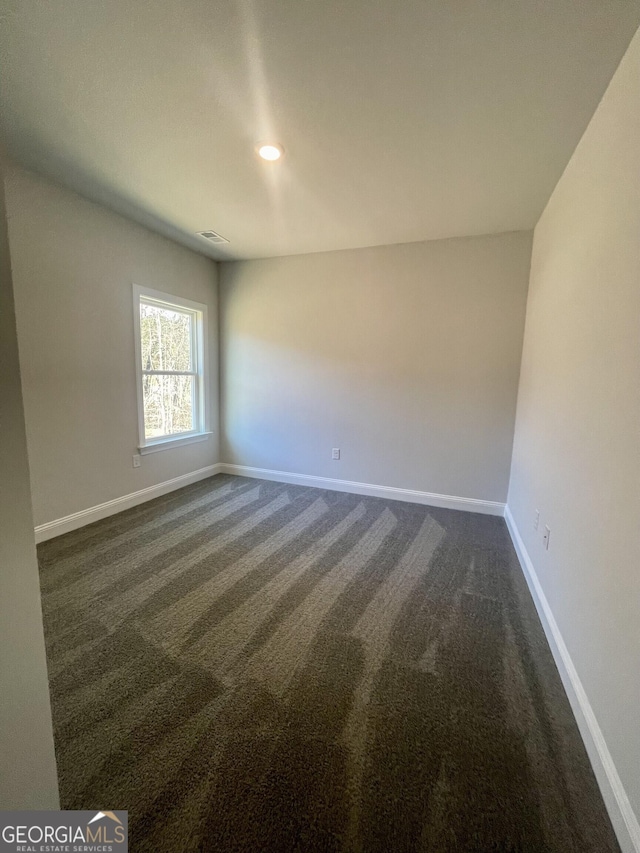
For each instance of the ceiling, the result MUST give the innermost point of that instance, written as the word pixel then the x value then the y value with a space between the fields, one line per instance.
pixel 402 120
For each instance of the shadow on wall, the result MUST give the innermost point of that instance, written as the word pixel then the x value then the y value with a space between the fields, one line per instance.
pixel 406 357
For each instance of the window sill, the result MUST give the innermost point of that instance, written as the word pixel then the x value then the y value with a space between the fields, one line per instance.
pixel 170 443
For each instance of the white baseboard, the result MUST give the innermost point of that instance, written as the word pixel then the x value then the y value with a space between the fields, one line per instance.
pixel 391 492
pixel 95 513
pixel 623 818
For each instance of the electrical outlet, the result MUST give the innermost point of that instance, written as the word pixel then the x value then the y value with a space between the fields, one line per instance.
pixel 546 537
pixel 136 460
pixel 536 520
pixel 335 453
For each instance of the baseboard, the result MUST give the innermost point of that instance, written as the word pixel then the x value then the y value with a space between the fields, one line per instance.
pixel 391 492
pixel 95 513
pixel 623 818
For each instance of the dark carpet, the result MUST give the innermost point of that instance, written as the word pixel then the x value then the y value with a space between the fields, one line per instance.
pixel 253 666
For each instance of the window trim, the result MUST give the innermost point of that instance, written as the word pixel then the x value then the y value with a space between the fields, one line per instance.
pixel 201 357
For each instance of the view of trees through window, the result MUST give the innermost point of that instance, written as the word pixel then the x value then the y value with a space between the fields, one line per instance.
pixel 169 390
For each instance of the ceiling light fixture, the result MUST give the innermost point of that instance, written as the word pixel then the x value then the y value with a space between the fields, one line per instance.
pixel 270 152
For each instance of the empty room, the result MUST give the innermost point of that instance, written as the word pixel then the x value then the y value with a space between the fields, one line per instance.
pixel 320 421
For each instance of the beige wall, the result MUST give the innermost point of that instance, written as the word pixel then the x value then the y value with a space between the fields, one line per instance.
pixel 74 264
pixel 577 445
pixel 405 357
pixel 27 762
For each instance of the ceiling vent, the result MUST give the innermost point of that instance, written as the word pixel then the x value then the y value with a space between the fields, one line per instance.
pixel 212 237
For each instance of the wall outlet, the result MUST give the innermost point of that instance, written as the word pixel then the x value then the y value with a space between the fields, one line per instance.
pixel 137 460
pixel 546 537
pixel 335 453
pixel 536 520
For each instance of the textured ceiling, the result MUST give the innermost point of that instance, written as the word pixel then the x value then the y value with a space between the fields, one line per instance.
pixel 401 121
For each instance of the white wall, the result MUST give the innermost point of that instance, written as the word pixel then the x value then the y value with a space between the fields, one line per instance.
pixel 577 445
pixel 73 265
pixel 405 357
pixel 27 761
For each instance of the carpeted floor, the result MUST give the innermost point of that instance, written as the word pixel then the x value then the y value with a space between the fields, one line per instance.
pixel 253 666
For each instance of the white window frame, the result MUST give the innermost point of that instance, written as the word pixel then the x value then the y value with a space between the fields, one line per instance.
pixel 200 361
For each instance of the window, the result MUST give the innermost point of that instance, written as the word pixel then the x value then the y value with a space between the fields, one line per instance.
pixel 170 372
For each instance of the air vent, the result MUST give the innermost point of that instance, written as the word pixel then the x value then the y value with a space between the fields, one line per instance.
pixel 213 237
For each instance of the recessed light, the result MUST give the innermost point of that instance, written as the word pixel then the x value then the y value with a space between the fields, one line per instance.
pixel 270 152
